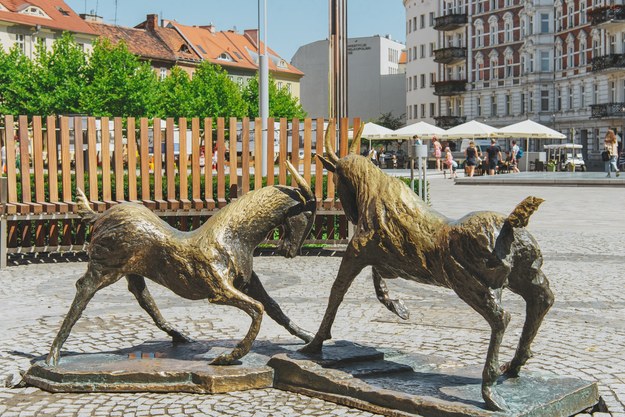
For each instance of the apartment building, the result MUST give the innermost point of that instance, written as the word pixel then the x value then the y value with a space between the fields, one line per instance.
pixel 375 77
pixel 560 63
pixel 27 23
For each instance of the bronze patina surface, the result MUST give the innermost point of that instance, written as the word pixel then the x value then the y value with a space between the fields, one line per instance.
pixel 425 386
pixel 477 256
pixel 213 262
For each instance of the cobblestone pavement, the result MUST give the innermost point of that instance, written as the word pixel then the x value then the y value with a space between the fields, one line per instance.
pixel 581 233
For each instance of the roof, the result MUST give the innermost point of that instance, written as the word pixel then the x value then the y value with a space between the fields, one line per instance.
pixel 161 44
pixel 230 49
pixel 59 15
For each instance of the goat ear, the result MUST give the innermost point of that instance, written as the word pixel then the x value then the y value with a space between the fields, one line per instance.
pixel 327 164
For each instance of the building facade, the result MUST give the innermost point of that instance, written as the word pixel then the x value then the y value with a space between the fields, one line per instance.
pixel 24 24
pixel 560 63
pixel 375 77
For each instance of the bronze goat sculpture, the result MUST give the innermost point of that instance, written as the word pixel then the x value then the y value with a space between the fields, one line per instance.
pixel 213 262
pixel 477 256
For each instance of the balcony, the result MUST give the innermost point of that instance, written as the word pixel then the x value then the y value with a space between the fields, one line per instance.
pixel 610 18
pixel 451 21
pixel 450 87
pixel 450 56
pixel 607 110
pixel 606 62
pixel 446 122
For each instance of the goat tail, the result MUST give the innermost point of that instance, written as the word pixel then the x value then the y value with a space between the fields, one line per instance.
pixel 521 214
pixel 84 210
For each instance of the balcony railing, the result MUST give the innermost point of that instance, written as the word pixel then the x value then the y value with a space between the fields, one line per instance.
pixel 605 62
pixel 450 87
pixel 445 122
pixel 605 14
pixel 598 111
pixel 451 55
pixel 451 21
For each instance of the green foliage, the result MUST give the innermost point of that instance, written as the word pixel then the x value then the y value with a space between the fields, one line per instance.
pixel 213 94
pixel 174 95
pixel 118 84
pixel 390 121
pixel 17 95
pixel 281 102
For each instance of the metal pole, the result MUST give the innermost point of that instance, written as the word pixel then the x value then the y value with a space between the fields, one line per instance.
pixel 412 155
pixel 338 59
pixel 4 190
pixel 263 80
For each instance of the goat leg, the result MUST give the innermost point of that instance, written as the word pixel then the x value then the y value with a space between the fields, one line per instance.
pixel 381 290
pixel 136 285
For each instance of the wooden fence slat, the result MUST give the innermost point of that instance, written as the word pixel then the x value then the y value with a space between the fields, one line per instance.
pixel 258 153
pixel 118 158
pixel 38 169
pixel 53 168
pixel 144 156
pixel 11 165
pixel 92 162
pixel 343 139
pixel 106 162
pixel 25 168
pixel 196 172
pixel 158 166
pixel 66 163
pixel 294 148
pixel 208 166
pixel 318 165
pixel 329 201
pixel 283 152
pixel 170 165
pixel 221 162
pixel 131 149
pixel 307 148
pixel 245 156
pixel 79 159
pixel 270 150
pixel 234 175
pixel 183 169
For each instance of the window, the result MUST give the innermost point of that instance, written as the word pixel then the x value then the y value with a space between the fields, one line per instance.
pixel 240 82
pixel 416 111
pixel 163 73
pixel 558 100
pixel 432 47
pixel 522 103
pixel 544 61
pixel 224 57
pixel 508 31
pixel 558 58
pixel 478 38
pixel 595 94
pixel 569 57
pixel 530 102
pixel 478 105
pixel 19 41
pixel 612 44
pixel 409 83
pixel 422 77
pixel 288 88
pixel 494 71
pixel 423 111
pixel 569 17
pixel 508 67
pixel 507 105
pixel 279 85
pixel 414 23
pixel 569 92
pixel 544 23
pixel 530 26
pixel 432 109
pixel 582 96
pixel 544 100
pixel 493 105
pixel 493 34
pixel 421 21
pixel 432 20
pixel 582 52
pixel 35 11
pixel 612 91
pixel 422 51
pixel 432 78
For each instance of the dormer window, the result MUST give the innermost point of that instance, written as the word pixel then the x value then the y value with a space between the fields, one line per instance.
pixel 225 57
pixel 62 11
pixel 282 64
pixel 184 49
pixel 34 11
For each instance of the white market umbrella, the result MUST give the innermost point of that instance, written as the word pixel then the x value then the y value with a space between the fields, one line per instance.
pixel 375 131
pixel 529 129
pixel 421 129
pixel 470 130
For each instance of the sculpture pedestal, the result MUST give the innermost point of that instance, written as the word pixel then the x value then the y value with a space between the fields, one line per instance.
pixel 408 385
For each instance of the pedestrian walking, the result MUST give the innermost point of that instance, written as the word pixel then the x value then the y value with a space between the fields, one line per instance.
pixel 451 164
pixel 493 156
pixel 611 147
pixel 514 157
pixel 437 149
pixel 471 155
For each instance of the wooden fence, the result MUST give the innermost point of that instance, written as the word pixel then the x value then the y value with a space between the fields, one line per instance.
pixel 164 164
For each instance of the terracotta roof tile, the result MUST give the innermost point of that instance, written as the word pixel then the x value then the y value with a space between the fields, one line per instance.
pixel 140 42
pixel 61 16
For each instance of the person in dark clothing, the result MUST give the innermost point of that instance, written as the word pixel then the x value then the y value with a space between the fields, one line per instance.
pixel 471 154
pixel 493 155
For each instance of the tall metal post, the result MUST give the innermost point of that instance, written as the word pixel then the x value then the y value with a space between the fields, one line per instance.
pixel 337 93
pixel 4 192
pixel 263 79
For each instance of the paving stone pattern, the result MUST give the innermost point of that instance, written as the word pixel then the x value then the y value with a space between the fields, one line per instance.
pixel 582 235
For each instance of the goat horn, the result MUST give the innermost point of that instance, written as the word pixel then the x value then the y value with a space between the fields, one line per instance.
pixel 301 182
pixel 355 146
pixel 329 145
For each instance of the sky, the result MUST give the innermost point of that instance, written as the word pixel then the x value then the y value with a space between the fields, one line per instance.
pixel 291 23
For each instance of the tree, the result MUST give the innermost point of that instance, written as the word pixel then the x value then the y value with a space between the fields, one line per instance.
pixel 174 99
pixel 390 121
pixel 281 102
pixel 213 94
pixel 118 84
pixel 16 83
pixel 59 77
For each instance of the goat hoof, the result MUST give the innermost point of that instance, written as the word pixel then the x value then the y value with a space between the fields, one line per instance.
pixel 223 359
pixel 52 360
pixel 180 338
pixel 510 370
pixel 311 348
pixel 494 401
pixel 398 307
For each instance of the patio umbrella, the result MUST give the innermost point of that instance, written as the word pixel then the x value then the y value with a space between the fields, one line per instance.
pixel 375 131
pixel 529 129
pixel 470 130
pixel 422 129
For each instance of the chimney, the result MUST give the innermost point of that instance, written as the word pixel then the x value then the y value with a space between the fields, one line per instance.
pixel 151 21
pixel 252 35
pixel 91 17
pixel 210 27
